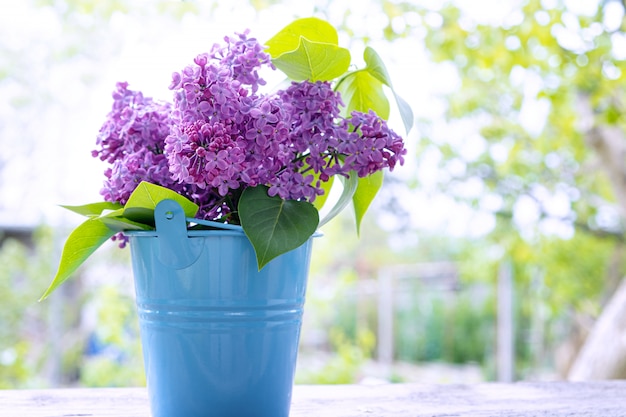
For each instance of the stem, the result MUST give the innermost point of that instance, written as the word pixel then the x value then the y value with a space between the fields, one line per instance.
pixel 232 202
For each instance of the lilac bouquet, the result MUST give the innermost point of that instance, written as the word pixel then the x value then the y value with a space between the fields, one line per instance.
pixel 230 153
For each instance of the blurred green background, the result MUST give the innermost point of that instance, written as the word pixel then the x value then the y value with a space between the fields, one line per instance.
pixel 491 255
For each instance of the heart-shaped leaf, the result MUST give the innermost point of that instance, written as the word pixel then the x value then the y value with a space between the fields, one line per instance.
pixel 142 202
pixel 312 28
pixel 314 61
pixel 81 243
pixel 273 225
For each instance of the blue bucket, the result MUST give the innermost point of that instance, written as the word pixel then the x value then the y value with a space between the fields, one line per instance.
pixel 219 337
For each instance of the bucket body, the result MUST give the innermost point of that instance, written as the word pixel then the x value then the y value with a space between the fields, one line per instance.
pixel 219 337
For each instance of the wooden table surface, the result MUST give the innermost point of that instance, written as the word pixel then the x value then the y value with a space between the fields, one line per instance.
pixel 602 399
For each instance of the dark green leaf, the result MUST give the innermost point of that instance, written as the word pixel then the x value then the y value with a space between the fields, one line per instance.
pixel 273 225
pixel 81 243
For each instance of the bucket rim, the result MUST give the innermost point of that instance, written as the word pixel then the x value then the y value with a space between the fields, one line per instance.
pixel 199 233
pixel 216 229
pixel 190 233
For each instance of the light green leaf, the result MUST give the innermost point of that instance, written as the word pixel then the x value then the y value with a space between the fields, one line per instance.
pixel 81 243
pixel 377 69
pixel 376 66
pixel 321 199
pixel 363 92
pixel 314 61
pixel 116 221
pixel 405 112
pixel 366 190
pixel 349 188
pixel 94 209
pixel 273 225
pixel 312 28
pixel 142 202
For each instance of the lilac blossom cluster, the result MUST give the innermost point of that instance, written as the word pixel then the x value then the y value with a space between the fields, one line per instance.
pixel 221 135
pixel 132 141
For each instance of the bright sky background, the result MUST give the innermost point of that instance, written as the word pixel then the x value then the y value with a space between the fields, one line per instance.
pixel 59 168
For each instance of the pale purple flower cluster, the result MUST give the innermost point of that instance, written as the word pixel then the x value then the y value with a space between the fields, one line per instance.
pixel 132 141
pixel 221 135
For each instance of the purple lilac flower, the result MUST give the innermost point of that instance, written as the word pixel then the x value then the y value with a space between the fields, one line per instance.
pixel 221 135
pixel 378 147
pixel 245 56
pixel 132 141
pixel 225 135
pixel 363 143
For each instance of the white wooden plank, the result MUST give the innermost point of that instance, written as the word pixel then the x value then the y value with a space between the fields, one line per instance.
pixel 560 399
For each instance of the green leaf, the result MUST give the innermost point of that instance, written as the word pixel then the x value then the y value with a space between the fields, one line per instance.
pixel 312 28
pixel 366 190
pixel 81 243
pixel 363 92
pixel 273 225
pixel 116 221
pixel 94 209
pixel 349 188
pixel 324 185
pixel 376 66
pixel 142 202
pixel 405 112
pixel 377 69
pixel 314 61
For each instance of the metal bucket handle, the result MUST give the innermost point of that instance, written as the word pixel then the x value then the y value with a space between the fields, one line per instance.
pixel 176 249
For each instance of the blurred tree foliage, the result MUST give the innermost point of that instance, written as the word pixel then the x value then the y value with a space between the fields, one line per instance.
pixel 449 328
pixel 17 298
pixel 113 350
pixel 24 269
pixel 533 132
pixel 537 124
